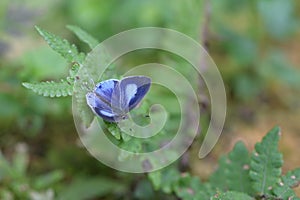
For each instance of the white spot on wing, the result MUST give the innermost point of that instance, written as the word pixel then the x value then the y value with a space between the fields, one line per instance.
pixel 130 91
pixel 108 114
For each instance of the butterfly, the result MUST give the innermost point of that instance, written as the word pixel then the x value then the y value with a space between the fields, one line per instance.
pixel 112 99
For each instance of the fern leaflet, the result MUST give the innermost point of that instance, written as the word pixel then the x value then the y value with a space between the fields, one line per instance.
pixel 62 46
pixel 84 36
pixel 266 162
pixel 233 171
pixel 231 195
pixel 283 189
pixel 51 88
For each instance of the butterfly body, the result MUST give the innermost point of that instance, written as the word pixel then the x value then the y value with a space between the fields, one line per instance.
pixel 113 99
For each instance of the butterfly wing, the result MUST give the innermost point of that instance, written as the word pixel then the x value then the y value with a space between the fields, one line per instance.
pixel 100 107
pixel 100 100
pixel 130 91
pixel 104 90
pixel 112 99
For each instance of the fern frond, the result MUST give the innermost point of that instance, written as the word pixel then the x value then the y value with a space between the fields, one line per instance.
pixel 84 111
pixel 62 46
pixel 83 36
pixel 266 162
pixel 190 188
pixel 133 145
pixel 185 186
pixel 114 129
pixel 73 71
pixel 156 179
pixel 79 98
pixel 238 169
pixel 51 88
pixel 218 178
pixel 283 189
pixel 233 171
pixel 231 195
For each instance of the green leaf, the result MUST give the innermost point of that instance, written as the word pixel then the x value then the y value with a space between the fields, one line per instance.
pixel 46 180
pixel 278 16
pixel 266 162
pixel 283 189
pixel 133 145
pixel 85 113
pixel 246 86
pixel 5 168
pixel 62 46
pixel 51 88
pixel 190 188
pixel 82 86
pixel 91 188
pixel 218 178
pixel 170 178
pixel 276 67
pixel 114 129
pixel 165 179
pixel 155 178
pixel 125 136
pixel 233 171
pixel 84 36
pixel 238 169
pixel 20 160
pixel 144 190
pixel 231 195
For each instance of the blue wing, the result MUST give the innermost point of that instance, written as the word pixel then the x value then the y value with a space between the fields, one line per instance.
pixel 100 107
pixel 100 100
pixel 112 99
pixel 105 90
pixel 130 91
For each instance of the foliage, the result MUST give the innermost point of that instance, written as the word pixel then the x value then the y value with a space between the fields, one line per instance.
pixel 90 187
pixel 231 196
pixel 233 172
pixel 266 163
pixel 17 183
pixel 51 89
pixel 239 176
pixel 282 189
pixel 70 53
pixel 252 43
pixel 254 63
pixel 62 46
pixel 84 36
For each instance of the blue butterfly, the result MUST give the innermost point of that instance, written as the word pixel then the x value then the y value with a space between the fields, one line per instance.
pixel 113 99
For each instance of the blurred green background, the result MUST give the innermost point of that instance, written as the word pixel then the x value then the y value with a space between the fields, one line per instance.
pixel 255 44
